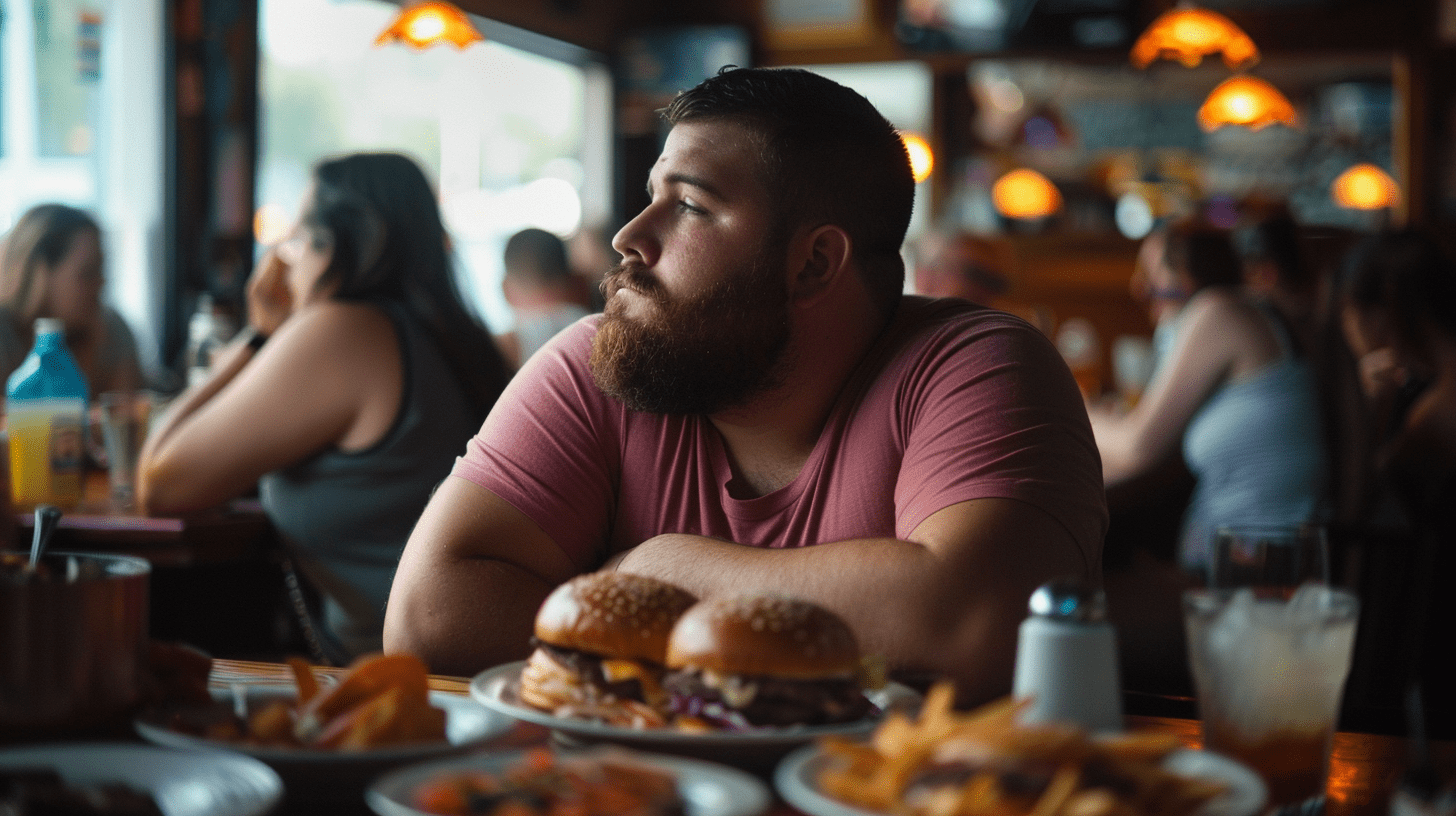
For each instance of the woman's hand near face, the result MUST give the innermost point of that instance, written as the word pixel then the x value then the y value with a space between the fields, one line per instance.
pixel 270 301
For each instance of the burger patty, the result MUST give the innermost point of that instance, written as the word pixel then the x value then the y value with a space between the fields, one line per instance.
pixel 588 668
pixel 773 701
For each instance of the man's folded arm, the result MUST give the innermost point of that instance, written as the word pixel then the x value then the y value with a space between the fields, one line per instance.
pixel 470 580
pixel 947 602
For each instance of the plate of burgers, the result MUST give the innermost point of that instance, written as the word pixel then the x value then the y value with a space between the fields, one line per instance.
pixel 632 660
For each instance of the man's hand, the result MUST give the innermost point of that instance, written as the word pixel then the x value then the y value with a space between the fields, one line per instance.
pixel 270 302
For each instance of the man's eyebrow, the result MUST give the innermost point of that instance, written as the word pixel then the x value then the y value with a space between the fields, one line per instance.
pixel 690 180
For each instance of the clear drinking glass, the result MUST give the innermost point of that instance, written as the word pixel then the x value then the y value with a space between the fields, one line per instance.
pixel 125 417
pixel 1270 644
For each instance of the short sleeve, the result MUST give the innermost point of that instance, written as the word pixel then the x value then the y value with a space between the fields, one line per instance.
pixel 993 412
pixel 549 447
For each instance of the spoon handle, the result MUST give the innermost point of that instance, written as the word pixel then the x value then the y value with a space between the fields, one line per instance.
pixel 46 516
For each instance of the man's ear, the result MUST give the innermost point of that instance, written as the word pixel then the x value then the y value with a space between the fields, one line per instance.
pixel 828 256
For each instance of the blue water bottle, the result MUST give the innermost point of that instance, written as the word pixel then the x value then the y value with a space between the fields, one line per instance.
pixel 45 416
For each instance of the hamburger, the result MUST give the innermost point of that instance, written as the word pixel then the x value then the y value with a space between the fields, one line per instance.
pixel 601 640
pixel 764 660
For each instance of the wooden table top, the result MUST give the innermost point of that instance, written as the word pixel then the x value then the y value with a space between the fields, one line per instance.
pixel 235 530
pixel 1364 768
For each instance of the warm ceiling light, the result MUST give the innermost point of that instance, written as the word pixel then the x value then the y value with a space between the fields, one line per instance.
pixel 1247 101
pixel 1365 187
pixel 1024 193
pixel 1189 34
pixel 425 24
pixel 922 160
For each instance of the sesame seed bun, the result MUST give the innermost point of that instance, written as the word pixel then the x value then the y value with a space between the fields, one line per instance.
pixel 612 614
pixel 764 635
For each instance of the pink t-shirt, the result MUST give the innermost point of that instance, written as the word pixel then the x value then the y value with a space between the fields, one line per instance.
pixel 953 402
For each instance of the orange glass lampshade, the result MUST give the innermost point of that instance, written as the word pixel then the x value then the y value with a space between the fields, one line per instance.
pixel 1365 187
pixel 1189 34
pixel 1024 193
pixel 1247 101
pixel 922 159
pixel 425 24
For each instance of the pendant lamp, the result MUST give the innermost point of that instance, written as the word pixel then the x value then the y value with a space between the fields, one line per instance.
pixel 425 24
pixel 1247 101
pixel 1365 187
pixel 1188 34
pixel 1025 193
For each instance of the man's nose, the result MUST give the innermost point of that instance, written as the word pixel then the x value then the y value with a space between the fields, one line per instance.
pixel 635 240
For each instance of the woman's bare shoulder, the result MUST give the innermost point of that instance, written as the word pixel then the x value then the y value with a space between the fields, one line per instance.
pixel 333 327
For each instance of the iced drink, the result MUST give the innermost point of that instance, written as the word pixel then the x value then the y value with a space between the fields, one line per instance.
pixel 1270 674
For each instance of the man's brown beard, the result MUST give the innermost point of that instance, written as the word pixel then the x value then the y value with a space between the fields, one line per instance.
pixel 716 350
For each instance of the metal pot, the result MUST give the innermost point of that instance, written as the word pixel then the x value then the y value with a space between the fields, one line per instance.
pixel 73 640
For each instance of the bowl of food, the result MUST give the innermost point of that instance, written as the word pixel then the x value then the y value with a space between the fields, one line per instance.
pixel 591 783
pixel 328 742
pixel 74 647
pixel 127 778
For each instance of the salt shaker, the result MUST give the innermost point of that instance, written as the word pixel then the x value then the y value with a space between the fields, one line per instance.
pixel 1066 658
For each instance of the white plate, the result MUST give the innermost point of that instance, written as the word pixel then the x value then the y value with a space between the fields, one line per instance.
pixel 311 773
pixel 499 688
pixel 183 783
pixel 709 789
pixel 797 781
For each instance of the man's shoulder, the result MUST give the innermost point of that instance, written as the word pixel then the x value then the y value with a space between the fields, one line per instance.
pixel 920 320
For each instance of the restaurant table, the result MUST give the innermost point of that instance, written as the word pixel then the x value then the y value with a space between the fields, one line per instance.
pixel 236 530
pixel 216 581
pixel 1364 768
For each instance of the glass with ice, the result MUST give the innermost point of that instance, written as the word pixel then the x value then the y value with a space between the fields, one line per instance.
pixel 1270 645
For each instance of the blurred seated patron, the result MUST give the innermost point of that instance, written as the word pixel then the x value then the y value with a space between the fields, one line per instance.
pixel 759 409
pixel 1234 392
pixel 52 266
pixel 1399 317
pixel 1275 270
pixel 959 265
pixel 544 293
pixel 372 378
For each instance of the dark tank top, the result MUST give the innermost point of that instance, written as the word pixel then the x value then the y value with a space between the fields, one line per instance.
pixel 345 516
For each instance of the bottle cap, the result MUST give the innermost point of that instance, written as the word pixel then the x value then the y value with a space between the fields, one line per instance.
pixel 1069 599
pixel 49 325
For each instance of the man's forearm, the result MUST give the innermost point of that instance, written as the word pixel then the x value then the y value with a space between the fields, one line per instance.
pixel 948 610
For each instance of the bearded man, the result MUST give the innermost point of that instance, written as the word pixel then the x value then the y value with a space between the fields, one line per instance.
pixel 760 409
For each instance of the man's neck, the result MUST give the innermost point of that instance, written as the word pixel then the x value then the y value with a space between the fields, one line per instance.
pixel 769 440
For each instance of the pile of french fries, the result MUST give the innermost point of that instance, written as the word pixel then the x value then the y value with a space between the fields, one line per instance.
pixel 381 701
pixel 985 763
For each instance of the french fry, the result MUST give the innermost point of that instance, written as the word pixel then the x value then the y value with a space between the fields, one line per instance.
pixel 304 679
pixel 368 677
pixel 986 763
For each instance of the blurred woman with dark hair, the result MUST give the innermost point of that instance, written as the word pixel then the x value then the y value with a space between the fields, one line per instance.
pixel 1234 392
pixel 52 266
pixel 1399 317
pixel 372 378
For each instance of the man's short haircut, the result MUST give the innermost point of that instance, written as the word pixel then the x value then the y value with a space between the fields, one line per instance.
pixel 830 157
pixel 536 255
